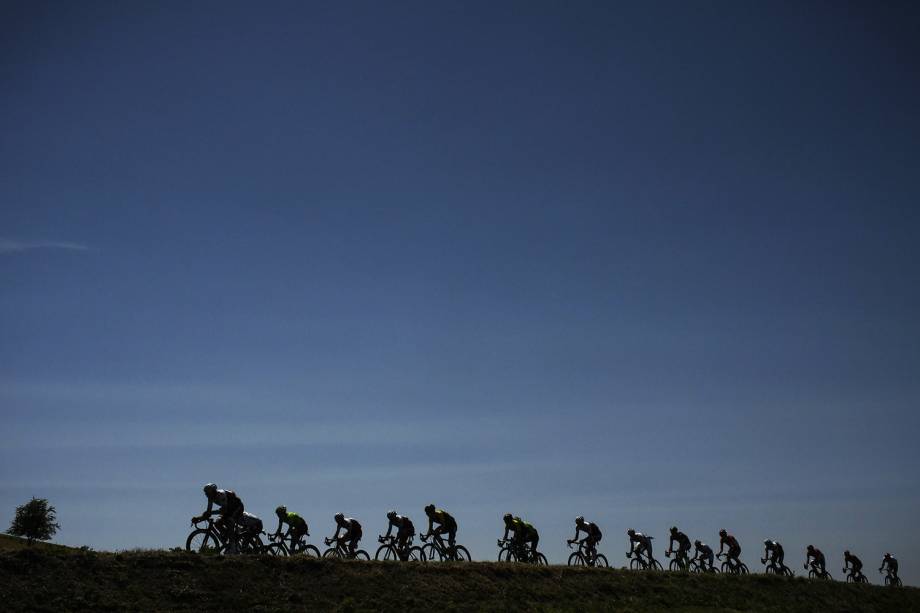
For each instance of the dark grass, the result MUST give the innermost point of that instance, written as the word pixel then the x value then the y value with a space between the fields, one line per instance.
pixel 67 579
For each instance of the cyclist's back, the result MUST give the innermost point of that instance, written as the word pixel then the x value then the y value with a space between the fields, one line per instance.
pixel 703 553
pixel 773 551
pixel 852 562
pixel 446 523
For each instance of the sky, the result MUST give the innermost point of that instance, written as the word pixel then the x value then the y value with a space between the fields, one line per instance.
pixel 651 263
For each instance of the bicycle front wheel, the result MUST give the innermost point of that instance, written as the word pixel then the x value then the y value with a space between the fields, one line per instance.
pixel 332 554
pixel 674 565
pixel 576 559
pixel 506 555
pixel 203 541
pixel 275 549
pixel 636 564
pixel 386 552
pixel 431 553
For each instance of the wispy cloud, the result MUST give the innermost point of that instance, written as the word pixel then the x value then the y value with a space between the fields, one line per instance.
pixel 8 245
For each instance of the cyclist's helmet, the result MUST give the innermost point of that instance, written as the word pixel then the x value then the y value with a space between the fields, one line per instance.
pixel 697 542
pixel 722 532
pixel 508 517
pixel 673 529
pixel 887 555
pixel 210 488
pixel 766 543
pixel 630 532
pixel 281 510
pixel 811 548
pixel 846 553
pixel 339 516
pixel 580 520
pixel 429 509
pixel 391 514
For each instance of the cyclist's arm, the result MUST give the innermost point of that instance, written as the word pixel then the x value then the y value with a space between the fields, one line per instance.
pixel 577 530
pixel 632 546
pixel 721 545
pixel 671 544
pixel 209 510
pixel 280 525
pixel 505 537
pixel 389 529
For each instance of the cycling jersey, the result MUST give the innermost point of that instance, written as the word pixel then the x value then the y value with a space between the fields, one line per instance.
pixel 442 517
pixel 704 550
pixel 853 561
pixel 817 556
pixel 350 524
pixel 681 540
pixel 250 523
pixel 640 539
pixel 730 541
pixel 589 528
pixel 403 525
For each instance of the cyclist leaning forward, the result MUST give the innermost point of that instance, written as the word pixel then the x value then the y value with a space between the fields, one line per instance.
pixel 352 533
pixel 523 534
pixel 814 557
pixel 404 529
pixel 773 552
pixel 639 544
pixel 704 554
pixel 594 535
pixel 683 544
pixel 297 525
pixel 230 511
pixel 446 524
pixel 891 563
pixel 852 563
pixel 734 549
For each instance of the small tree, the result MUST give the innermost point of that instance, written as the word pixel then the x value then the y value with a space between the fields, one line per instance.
pixel 35 521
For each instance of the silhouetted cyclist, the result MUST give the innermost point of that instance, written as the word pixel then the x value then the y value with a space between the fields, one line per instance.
pixel 297 525
pixel 704 554
pixel 683 543
pixel 404 528
pixel 446 524
pixel 773 553
pixel 230 510
pixel 352 535
pixel 852 563
pixel 592 531
pixel 640 544
pixel 891 563
pixel 815 558
pixel 523 534
pixel 734 548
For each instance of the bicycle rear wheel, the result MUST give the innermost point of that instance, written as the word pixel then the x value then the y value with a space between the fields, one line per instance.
pixel 742 568
pixel 600 561
pixel 203 541
pixel 416 554
pixel 636 564
pixel 461 554
pixel 541 560
pixel 361 555
pixel 656 565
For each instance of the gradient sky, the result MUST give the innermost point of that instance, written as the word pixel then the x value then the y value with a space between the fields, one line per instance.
pixel 651 263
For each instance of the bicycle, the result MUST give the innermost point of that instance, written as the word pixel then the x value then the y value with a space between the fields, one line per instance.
pixel 854 576
pixel 292 548
pixel 891 580
pixel 730 568
pixel 437 551
pixel 696 566
pixel 340 551
pixel 390 550
pixel 637 562
pixel 583 556
pixel 509 551
pixel 816 573
pixel 774 569
pixel 210 540
pixel 679 562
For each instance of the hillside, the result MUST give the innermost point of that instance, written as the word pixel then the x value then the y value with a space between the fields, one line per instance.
pixel 53 579
pixel 8 542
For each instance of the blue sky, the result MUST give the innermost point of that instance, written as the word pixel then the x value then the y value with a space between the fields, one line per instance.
pixel 651 263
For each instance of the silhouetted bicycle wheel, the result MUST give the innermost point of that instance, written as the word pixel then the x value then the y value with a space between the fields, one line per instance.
pixel 415 554
pixel 637 564
pixel 307 551
pixel 600 561
pixel 676 565
pixel 461 554
pixel 431 553
pixel 576 559
pixel 656 565
pixel 361 555
pixel 332 554
pixel 386 552
pixel 541 560
pixel 203 541
pixel 505 554
pixel 275 549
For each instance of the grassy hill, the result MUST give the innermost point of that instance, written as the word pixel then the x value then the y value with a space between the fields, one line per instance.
pixel 70 579
pixel 8 542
